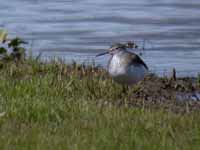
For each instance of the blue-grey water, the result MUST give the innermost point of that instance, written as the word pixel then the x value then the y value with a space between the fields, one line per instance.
pixel 78 29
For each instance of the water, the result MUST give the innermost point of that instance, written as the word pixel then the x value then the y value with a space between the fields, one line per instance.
pixel 78 29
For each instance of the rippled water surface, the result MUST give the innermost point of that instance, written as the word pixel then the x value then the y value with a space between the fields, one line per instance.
pixel 78 29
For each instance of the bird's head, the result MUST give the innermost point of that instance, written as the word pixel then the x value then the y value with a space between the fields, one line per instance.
pixel 115 48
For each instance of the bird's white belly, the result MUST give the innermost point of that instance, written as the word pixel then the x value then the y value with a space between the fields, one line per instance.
pixel 125 74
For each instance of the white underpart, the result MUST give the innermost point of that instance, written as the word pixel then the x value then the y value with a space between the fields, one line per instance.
pixel 126 74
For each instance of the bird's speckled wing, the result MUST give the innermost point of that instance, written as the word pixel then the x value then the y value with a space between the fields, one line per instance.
pixel 136 59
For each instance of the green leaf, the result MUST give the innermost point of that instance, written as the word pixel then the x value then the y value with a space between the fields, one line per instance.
pixel 2 50
pixel 3 35
pixel 16 42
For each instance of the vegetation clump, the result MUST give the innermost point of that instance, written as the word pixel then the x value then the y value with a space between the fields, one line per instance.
pixel 15 52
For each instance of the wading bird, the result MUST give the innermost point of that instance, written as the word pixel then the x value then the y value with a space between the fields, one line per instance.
pixel 124 66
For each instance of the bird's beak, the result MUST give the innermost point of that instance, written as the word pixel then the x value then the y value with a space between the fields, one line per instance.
pixel 104 53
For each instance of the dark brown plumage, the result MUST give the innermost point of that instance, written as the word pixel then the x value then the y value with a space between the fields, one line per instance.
pixel 136 59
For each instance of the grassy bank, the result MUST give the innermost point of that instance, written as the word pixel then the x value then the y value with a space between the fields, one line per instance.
pixel 57 106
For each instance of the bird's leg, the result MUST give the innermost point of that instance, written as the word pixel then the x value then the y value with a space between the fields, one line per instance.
pixel 124 93
pixel 125 89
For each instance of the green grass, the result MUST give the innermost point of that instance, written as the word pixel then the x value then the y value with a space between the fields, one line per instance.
pixel 58 106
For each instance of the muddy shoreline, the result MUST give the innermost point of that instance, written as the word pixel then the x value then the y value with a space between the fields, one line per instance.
pixel 180 95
